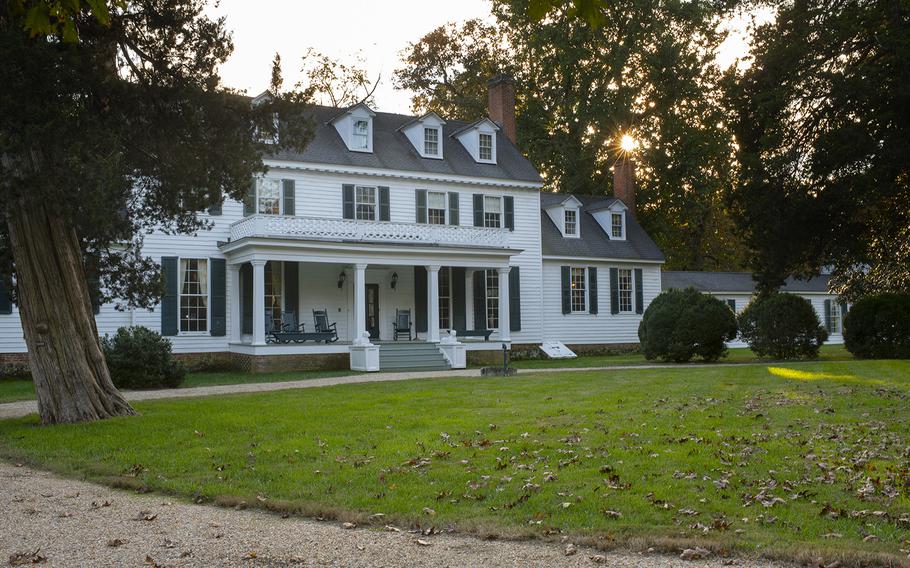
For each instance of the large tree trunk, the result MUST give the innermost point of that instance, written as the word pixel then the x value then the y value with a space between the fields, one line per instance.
pixel 64 352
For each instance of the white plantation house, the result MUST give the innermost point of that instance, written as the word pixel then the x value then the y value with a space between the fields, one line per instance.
pixel 394 241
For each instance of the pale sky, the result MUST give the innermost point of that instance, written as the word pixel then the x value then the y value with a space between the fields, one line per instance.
pixel 375 30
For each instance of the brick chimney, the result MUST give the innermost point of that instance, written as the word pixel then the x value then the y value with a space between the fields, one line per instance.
pixel 501 103
pixel 624 182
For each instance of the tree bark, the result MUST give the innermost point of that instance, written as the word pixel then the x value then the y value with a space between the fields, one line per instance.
pixel 71 378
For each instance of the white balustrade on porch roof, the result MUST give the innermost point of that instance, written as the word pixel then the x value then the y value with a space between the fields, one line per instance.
pixel 275 226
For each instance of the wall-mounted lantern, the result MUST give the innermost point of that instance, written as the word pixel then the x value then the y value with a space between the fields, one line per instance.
pixel 394 280
pixel 341 277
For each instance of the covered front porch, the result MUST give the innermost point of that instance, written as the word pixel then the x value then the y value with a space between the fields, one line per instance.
pixel 450 295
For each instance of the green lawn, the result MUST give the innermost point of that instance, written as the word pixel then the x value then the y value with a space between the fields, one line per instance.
pixel 766 459
pixel 737 355
pixel 22 389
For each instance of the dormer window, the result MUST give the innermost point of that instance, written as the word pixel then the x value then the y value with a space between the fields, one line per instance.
pixel 485 146
pixel 431 141
pixel 571 223
pixel 361 136
pixel 618 226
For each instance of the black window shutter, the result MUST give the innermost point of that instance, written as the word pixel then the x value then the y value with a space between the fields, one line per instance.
pixel 347 198
pixel 843 312
pixel 480 299
pixel 459 321
pixel 639 293
pixel 246 303
pixel 94 293
pixel 384 210
pixel 828 315
pixel 249 202
pixel 592 290
pixel 216 208
pixel 508 207
pixel 566 290
pixel 732 303
pixel 614 291
pixel 478 210
pixel 6 302
pixel 219 297
pixel 421 197
pixel 454 218
pixel 291 289
pixel 169 301
pixel 514 299
pixel 287 194
pixel 420 298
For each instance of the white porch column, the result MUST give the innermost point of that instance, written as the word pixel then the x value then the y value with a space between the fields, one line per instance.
pixel 360 301
pixel 433 304
pixel 258 302
pixel 504 303
pixel 235 299
pixel 469 301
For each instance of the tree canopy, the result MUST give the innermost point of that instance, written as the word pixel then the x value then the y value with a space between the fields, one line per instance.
pixel 646 69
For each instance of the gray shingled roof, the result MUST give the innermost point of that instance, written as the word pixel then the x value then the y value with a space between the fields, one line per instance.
pixel 735 282
pixel 594 241
pixel 393 150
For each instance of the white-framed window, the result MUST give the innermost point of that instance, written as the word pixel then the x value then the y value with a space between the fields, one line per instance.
pixel 836 318
pixel 579 289
pixel 194 295
pixel 274 280
pixel 269 137
pixel 445 298
pixel 625 290
pixel 360 137
pixel 571 222
pixel 485 146
pixel 431 141
pixel 617 226
pixel 492 211
pixel 436 207
pixel 268 196
pixel 492 280
pixel 365 203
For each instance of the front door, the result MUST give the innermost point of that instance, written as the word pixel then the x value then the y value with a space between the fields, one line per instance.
pixel 373 310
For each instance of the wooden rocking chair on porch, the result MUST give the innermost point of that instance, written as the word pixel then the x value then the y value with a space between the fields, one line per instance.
pixel 402 324
pixel 329 331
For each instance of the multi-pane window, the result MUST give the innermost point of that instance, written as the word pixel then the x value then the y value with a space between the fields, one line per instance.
pixel 365 203
pixel 571 222
pixel 361 136
pixel 431 141
pixel 269 197
pixel 273 281
pixel 485 146
pixel 194 295
pixel 579 290
pixel 617 225
pixel 835 318
pixel 492 278
pixel 625 290
pixel 436 208
pixel 492 212
pixel 445 298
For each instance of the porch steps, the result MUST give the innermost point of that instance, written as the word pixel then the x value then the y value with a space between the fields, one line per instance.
pixel 411 356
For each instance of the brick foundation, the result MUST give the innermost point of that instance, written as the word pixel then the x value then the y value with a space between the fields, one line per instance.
pixel 284 363
pixel 13 365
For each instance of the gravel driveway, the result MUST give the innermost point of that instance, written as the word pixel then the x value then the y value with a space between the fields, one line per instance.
pixel 73 523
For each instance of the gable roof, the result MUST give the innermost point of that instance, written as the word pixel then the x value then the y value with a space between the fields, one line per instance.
pixel 735 282
pixel 593 241
pixel 392 150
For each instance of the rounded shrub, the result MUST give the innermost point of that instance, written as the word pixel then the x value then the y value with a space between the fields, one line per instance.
pixel 139 358
pixel 681 324
pixel 878 327
pixel 782 326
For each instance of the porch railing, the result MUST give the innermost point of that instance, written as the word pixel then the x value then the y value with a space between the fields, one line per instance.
pixel 276 226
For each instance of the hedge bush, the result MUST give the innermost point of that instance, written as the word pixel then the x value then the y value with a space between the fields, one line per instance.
pixel 878 327
pixel 782 326
pixel 139 358
pixel 681 324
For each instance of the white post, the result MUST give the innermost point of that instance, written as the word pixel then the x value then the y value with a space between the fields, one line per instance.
pixel 433 304
pixel 235 299
pixel 258 302
pixel 360 301
pixel 469 301
pixel 504 303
